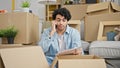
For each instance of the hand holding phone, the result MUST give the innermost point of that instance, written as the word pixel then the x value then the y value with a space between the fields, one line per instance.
pixel 53 27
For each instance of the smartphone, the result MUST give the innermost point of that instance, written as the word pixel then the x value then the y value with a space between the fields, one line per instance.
pixel 56 26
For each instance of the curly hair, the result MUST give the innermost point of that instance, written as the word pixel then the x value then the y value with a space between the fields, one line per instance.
pixel 63 12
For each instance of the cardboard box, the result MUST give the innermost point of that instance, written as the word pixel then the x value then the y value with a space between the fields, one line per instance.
pixel 75 24
pixel 78 11
pixel 17 56
pixel 3 46
pixel 78 61
pixel 92 24
pixel 104 7
pixel 9 45
pixel 26 23
pixel 23 57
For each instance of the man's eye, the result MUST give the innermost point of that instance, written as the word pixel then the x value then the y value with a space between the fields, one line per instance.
pixel 58 20
pixel 64 20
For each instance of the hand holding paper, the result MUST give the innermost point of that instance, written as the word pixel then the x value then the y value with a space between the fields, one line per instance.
pixel 74 51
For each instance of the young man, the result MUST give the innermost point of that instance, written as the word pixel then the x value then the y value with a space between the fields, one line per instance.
pixel 60 37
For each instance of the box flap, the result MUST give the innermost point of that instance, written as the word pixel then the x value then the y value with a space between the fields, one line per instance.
pixel 24 57
pixel 78 57
pixel 82 63
pixel 97 7
pixel 54 62
pixel 73 57
pixel 115 6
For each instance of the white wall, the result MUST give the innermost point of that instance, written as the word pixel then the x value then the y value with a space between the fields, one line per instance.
pixel 115 1
pixel 37 9
pixel 119 2
pixel 5 4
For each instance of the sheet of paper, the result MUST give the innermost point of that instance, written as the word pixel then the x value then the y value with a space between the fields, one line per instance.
pixel 69 51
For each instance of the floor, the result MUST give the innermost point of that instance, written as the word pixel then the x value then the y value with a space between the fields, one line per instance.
pixel 113 63
pixel 110 63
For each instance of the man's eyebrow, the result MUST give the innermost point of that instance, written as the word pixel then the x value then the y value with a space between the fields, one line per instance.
pixel 57 18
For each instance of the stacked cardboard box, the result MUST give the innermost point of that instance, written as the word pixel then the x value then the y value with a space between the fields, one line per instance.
pixel 78 11
pixel 107 11
pixel 26 23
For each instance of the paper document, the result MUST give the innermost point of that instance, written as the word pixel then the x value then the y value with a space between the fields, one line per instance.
pixel 70 51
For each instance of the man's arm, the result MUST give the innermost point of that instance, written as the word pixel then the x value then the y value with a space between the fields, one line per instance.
pixel 47 37
pixel 45 40
pixel 76 42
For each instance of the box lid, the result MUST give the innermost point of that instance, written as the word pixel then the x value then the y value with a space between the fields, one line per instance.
pixel 24 57
pixel 115 6
pixel 97 7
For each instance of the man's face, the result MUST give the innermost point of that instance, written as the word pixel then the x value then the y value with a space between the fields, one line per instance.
pixel 61 22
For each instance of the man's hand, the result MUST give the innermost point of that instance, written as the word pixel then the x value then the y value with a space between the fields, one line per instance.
pixel 77 51
pixel 53 29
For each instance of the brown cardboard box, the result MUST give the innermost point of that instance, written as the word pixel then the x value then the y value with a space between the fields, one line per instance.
pixel 59 1
pixel 78 11
pixel 26 23
pixel 104 7
pixel 75 24
pixel 3 46
pixel 92 24
pixel 9 45
pixel 17 56
pixel 23 57
pixel 78 61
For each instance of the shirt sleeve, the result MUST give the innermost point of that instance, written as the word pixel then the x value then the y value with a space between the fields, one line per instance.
pixel 46 40
pixel 76 40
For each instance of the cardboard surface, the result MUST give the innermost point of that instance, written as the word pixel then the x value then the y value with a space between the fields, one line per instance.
pixel 33 57
pixel 26 23
pixel 78 12
pixel 3 46
pixel 104 7
pixel 92 24
pixel 75 24
pixel 10 45
pixel 23 57
pixel 78 61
